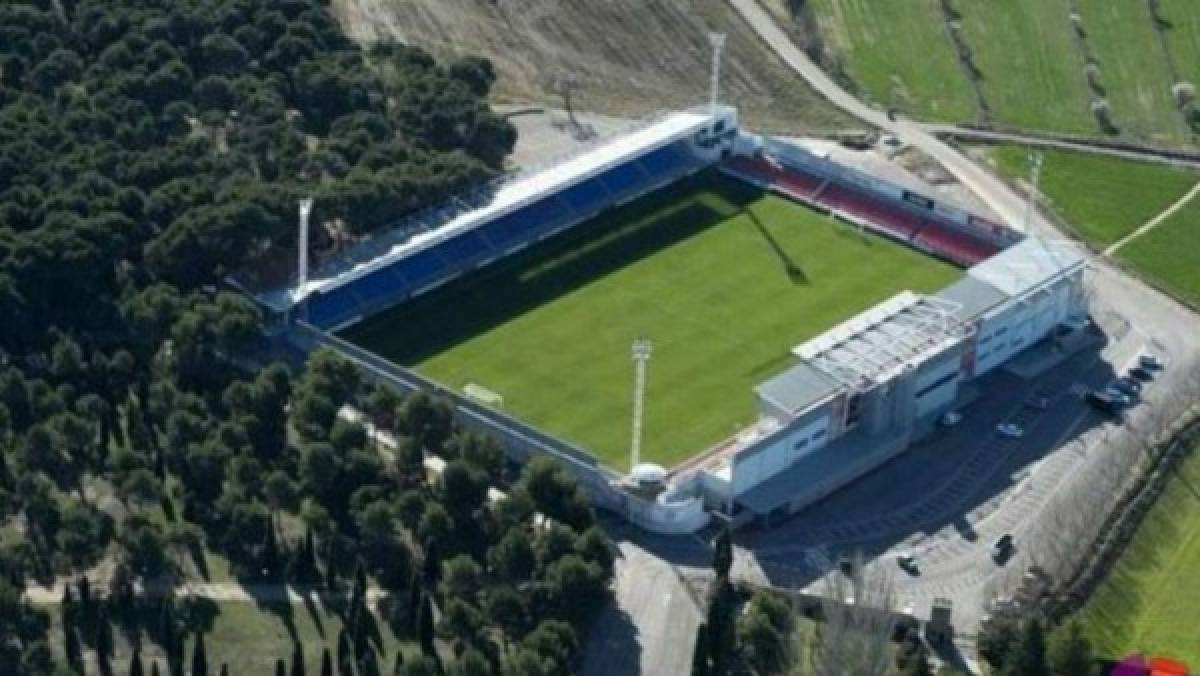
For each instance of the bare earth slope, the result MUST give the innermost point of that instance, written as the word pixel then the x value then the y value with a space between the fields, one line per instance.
pixel 629 57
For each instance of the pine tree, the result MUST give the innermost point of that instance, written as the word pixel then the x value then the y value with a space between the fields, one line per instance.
pixel 135 662
pixel 199 659
pixel 326 663
pixel 1027 657
pixel 298 659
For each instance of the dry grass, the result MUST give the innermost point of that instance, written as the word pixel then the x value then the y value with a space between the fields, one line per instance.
pixel 629 57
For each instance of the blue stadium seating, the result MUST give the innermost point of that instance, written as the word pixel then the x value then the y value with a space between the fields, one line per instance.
pixel 327 310
pixel 422 268
pixel 624 180
pixel 587 197
pixel 664 161
pixel 379 285
pixel 465 250
pixel 527 223
pixel 545 215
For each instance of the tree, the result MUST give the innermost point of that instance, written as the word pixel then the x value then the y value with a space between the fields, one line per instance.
pixel 104 641
pixel 298 659
pixel 425 627
pixel 701 651
pixel 1070 652
pixel 280 667
pixel 135 662
pixel 512 558
pixel 723 553
pixel 505 608
pixel 199 659
pixel 555 493
pixel 995 640
pixel 461 578
pixel 326 663
pixel 1027 656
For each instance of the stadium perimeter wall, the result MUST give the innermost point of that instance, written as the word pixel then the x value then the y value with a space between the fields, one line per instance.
pixel 669 515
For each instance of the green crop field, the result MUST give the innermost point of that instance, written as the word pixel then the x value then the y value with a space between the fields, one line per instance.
pixel 1148 603
pixel 1102 198
pixel 1031 63
pixel 723 279
pixel 894 73
pixel 1169 255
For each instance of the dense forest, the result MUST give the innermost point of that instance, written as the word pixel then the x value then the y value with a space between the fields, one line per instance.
pixel 147 147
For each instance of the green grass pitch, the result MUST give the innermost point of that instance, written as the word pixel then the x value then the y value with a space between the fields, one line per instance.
pixel 723 279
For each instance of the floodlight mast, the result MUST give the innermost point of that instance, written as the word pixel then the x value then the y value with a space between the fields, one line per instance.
pixel 1035 171
pixel 302 246
pixel 717 40
pixel 642 349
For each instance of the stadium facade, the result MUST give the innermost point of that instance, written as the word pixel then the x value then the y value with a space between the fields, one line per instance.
pixel 855 397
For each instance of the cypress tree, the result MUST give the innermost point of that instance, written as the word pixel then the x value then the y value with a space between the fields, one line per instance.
pixel 367 666
pixel 224 669
pixel 344 655
pixel 72 649
pixel 425 627
pixel 326 663
pixel 154 668
pixel 86 607
pixel 398 665
pixel 67 607
pixel 135 662
pixel 723 554
pixel 199 659
pixel 414 602
pixel 700 652
pixel 298 659
pixel 280 669
pixel 104 640
pixel 270 556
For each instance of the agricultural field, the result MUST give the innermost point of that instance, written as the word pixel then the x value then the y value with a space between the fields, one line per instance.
pixel 927 81
pixel 723 279
pixel 1030 60
pixel 626 57
pixel 1169 255
pixel 1101 198
pixel 1148 603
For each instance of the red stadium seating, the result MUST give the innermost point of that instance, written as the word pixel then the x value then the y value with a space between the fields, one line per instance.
pixel 955 245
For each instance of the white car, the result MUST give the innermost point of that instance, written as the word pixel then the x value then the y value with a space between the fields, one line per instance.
pixel 1010 430
pixel 1150 361
pixel 951 418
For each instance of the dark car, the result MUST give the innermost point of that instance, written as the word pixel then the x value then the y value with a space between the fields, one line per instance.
pixel 1002 549
pixel 1100 400
pixel 1128 386
pixel 1141 373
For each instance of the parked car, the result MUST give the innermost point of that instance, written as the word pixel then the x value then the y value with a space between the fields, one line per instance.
pixel 1119 398
pixel 950 418
pixel 908 563
pixel 1010 430
pixel 1002 548
pixel 1128 385
pixel 1141 373
pixel 1150 361
pixel 1103 402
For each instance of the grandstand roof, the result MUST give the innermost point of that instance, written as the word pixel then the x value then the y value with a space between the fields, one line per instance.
pixel 798 388
pixel 1028 265
pixel 512 193
pixel 877 344
pixel 972 296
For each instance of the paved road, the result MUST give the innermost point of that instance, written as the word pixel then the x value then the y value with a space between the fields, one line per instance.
pixel 957 561
pixel 1139 155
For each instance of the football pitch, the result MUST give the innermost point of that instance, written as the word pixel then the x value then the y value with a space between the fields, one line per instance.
pixel 722 278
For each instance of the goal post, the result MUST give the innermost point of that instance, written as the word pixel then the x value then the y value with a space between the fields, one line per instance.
pixel 483 395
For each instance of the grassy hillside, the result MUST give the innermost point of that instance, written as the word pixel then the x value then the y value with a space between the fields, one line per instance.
pixel 1169 255
pixel 1148 602
pixel 630 57
pixel 1030 60
pixel 1102 198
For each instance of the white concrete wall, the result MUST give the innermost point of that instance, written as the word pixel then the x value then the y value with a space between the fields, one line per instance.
pixel 776 453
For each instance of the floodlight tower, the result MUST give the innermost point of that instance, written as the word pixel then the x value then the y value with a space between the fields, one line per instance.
pixel 1035 179
pixel 302 245
pixel 642 348
pixel 717 40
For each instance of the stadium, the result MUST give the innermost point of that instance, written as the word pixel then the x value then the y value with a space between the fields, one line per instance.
pixel 808 320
